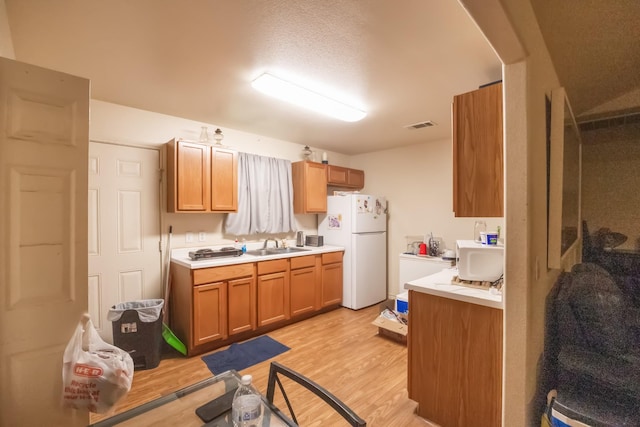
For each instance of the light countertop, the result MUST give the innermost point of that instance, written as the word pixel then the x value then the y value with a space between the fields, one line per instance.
pixel 181 256
pixel 439 284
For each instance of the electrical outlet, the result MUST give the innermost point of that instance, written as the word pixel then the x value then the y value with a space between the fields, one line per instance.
pixel 189 237
pixel 202 236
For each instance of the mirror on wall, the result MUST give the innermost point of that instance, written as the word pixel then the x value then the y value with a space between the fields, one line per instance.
pixel 565 166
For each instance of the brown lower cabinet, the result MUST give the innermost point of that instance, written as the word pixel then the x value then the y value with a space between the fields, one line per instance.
pixel 303 279
pixel 331 289
pixel 212 307
pixel 455 361
pixel 273 291
pixel 209 312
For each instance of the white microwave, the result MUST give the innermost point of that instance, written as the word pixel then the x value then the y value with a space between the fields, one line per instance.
pixel 479 262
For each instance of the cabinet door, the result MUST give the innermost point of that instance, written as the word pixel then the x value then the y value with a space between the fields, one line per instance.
pixel 331 284
pixel 336 175
pixel 309 187
pixel 192 176
pixel 455 356
pixel 242 305
pixel 355 178
pixel 224 180
pixel 273 298
pixel 209 313
pixel 477 153
pixel 303 290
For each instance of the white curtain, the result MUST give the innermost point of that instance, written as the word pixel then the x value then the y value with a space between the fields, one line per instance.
pixel 265 197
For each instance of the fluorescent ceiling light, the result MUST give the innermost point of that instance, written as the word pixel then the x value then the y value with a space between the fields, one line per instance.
pixel 306 98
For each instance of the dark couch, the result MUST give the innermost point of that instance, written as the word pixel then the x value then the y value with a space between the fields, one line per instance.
pixel 592 347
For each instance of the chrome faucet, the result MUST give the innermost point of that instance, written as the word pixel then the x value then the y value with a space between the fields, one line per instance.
pixel 267 241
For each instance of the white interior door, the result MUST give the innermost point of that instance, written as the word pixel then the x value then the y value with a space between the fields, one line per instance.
pixel 124 229
pixel 44 132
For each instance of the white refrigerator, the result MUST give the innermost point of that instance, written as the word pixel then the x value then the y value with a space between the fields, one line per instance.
pixel 358 222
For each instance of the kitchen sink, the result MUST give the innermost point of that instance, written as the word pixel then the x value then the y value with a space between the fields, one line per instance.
pixel 275 251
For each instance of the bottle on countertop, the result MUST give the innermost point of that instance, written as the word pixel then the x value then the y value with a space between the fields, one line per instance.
pixel 479 227
pixel 246 409
pixel 244 245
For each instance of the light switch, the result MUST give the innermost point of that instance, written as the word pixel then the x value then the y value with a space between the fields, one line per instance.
pixel 189 237
pixel 202 236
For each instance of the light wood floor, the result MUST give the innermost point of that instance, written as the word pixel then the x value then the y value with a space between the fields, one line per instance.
pixel 339 350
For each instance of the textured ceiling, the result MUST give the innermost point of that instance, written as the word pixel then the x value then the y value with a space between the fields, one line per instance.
pixel 595 48
pixel 403 60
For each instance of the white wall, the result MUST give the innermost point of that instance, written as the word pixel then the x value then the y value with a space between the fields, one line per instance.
pixel 611 161
pixel 124 125
pixel 418 183
pixel 6 42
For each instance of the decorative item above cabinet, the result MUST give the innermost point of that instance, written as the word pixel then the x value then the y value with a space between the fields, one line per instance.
pixel 201 177
pixel 345 177
pixel 477 153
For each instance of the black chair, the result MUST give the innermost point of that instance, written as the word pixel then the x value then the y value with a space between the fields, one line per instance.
pixel 342 409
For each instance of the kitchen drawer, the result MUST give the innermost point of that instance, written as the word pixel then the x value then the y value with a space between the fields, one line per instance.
pixel 217 274
pixel 275 266
pixel 303 261
pixel 331 257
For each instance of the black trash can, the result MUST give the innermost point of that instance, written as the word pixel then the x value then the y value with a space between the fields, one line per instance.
pixel 137 329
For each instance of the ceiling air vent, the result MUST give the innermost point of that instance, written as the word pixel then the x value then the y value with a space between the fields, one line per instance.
pixel 421 125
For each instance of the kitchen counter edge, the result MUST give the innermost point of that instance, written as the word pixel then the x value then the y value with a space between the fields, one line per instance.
pixel 439 284
pixel 181 257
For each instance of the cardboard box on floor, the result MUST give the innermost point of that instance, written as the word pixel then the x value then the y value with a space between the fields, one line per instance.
pixel 390 328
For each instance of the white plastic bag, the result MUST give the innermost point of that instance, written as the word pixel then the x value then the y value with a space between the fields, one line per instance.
pixel 95 375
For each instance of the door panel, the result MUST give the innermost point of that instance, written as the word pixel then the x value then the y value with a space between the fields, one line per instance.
pixel 209 313
pixel 124 225
pixel 242 305
pixel 369 269
pixel 44 132
pixel 273 298
pixel 303 290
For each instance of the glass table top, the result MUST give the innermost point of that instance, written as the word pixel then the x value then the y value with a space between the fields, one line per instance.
pixel 179 408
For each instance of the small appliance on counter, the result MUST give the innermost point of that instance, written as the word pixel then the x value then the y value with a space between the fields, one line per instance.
pixel 478 262
pixel 210 253
pixel 314 240
pixel 300 239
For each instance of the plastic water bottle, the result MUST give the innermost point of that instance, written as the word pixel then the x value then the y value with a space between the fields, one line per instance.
pixel 246 409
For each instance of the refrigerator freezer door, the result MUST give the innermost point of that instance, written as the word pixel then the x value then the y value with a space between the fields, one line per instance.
pixel 368 281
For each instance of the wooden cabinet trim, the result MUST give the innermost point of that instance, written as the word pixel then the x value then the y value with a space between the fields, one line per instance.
pixel 217 274
pixel 303 261
pixel 273 266
pixel 331 257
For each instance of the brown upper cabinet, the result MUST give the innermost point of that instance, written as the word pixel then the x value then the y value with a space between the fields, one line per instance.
pixel 201 178
pixel 309 187
pixel 478 153
pixel 345 177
